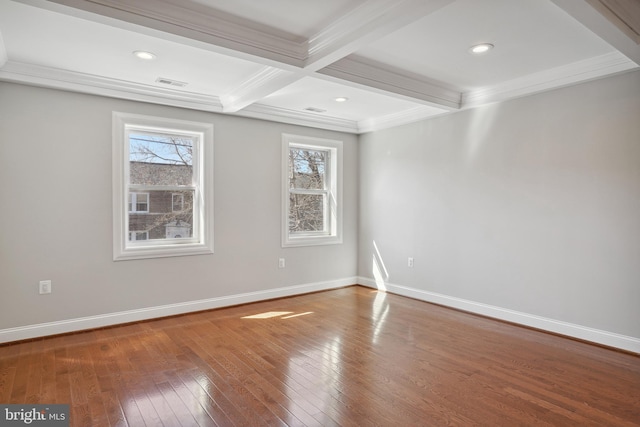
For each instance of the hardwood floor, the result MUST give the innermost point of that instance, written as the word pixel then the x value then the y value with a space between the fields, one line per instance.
pixel 351 357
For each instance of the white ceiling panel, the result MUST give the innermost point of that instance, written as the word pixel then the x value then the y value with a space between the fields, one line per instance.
pixel 38 36
pixel 321 94
pixel 529 36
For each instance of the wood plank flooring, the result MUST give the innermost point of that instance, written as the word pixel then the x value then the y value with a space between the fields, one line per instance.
pixel 348 357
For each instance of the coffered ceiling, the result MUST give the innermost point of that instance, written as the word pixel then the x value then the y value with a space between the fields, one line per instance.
pixel 395 61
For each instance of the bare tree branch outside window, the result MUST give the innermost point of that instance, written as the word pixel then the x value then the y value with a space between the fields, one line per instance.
pixel 307 190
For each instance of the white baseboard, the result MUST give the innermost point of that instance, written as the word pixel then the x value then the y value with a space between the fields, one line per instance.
pixel 598 336
pixel 109 319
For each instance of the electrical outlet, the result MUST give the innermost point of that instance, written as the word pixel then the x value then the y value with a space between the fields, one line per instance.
pixel 45 287
pixel 281 263
pixel 410 262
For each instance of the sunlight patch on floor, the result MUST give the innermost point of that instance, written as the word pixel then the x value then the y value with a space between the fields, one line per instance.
pixel 281 314
pixel 298 314
pixel 268 315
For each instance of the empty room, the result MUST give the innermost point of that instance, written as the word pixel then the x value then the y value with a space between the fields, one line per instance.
pixel 320 213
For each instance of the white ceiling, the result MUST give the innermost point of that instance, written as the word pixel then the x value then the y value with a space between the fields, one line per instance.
pixel 396 60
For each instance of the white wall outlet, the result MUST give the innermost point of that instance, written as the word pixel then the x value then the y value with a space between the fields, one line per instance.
pixel 410 262
pixel 281 263
pixel 45 287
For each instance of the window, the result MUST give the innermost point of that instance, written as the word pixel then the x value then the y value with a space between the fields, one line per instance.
pixel 138 235
pixel 177 202
pixel 312 191
pixel 139 202
pixel 163 185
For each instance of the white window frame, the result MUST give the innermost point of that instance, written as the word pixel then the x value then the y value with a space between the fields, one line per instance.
pixel 134 202
pixel 202 185
pixel 333 191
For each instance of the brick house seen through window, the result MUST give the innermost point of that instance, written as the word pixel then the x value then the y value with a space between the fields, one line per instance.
pixel 169 213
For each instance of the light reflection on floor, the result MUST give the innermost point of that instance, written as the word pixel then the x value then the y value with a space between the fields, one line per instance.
pixel 325 378
pixel 379 313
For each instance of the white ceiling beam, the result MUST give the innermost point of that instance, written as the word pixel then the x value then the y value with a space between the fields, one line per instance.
pixel 625 14
pixel 365 73
pixel 364 24
pixel 370 21
pixel 232 35
pixel 265 82
pixel 290 58
pixel 600 25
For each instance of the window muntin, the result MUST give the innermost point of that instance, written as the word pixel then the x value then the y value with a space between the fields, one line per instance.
pixel 163 170
pixel 312 208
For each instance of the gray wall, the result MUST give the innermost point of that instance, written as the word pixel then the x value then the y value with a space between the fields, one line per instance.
pixel 55 188
pixel 531 205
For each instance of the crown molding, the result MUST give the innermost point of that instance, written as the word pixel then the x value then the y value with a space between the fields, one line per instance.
pixel 302 118
pixel 577 72
pixel 86 83
pixel 401 118
pixel 96 85
pixel 200 23
pixel 389 81
pixel 54 78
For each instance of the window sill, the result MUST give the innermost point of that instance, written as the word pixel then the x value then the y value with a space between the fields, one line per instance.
pixel 311 241
pixel 145 252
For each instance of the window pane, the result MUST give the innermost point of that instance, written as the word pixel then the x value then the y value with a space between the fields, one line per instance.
pixel 162 222
pixel 160 159
pixel 307 168
pixel 306 213
pixel 177 202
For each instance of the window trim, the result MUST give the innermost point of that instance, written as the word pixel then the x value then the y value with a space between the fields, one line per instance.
pixel 333 177
pixel 202 243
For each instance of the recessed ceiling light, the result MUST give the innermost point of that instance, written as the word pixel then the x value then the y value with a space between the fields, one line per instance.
pixel 144 55
pixel 342 99
pixel 481 48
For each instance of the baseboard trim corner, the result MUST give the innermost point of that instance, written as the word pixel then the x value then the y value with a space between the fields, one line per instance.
pixel 597 336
